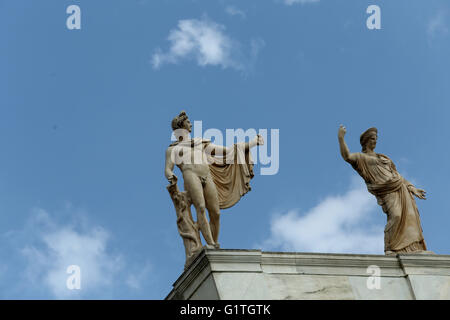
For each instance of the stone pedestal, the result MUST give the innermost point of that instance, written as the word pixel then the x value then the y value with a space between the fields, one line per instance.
pixel 257 275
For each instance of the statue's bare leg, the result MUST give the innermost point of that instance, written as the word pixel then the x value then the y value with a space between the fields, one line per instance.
pixel 193 185
pixel 212 204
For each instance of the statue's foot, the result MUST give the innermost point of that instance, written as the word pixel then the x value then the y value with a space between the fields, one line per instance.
pixel 428 252
pixel 214 246
pixel 390 253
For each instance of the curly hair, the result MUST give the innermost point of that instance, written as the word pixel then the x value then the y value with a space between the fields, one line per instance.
pixel 178 121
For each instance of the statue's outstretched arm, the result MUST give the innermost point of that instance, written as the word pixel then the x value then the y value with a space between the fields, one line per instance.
pixel 258 141
pixel 214 149
pixel 345 152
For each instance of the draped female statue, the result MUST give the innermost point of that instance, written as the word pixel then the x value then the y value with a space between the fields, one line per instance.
pixel 395 195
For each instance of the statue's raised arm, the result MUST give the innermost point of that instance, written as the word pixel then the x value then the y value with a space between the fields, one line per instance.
pixel 345 152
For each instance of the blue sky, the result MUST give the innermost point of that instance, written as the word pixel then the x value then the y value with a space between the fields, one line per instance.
pixel 85 121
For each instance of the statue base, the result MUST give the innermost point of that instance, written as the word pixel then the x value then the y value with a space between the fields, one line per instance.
pixel 257 275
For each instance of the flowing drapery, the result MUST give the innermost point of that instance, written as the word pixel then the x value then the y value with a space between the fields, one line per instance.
pixel 403 232
pixel 232 179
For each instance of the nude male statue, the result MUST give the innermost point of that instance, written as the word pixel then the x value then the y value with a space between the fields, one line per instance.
pixel 211 186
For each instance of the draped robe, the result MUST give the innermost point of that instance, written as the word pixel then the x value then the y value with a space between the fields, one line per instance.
pixel 403 232
pixel 232 178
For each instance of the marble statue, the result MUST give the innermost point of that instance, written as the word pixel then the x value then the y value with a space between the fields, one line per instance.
pixel 215 177
pixel 403 231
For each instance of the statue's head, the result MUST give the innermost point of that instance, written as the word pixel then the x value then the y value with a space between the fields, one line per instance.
pixel 181 121
pixel 368 139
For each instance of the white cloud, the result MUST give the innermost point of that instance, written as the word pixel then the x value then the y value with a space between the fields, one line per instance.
pixel 52 247
pixel 234 11
pixel 437 25
pixel 136 279
pixel 203 41
pixel 339 223
pixel 291 2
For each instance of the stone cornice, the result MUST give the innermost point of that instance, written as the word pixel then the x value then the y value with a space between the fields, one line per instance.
pixel 210 262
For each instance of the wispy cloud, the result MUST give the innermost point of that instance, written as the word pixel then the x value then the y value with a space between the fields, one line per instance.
pixel 291 2
pixel 234 11
pixel 49 248
pixel 62 247
pixel 205 42
pixel 136 279
pixel 339 223
pixel 437 25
